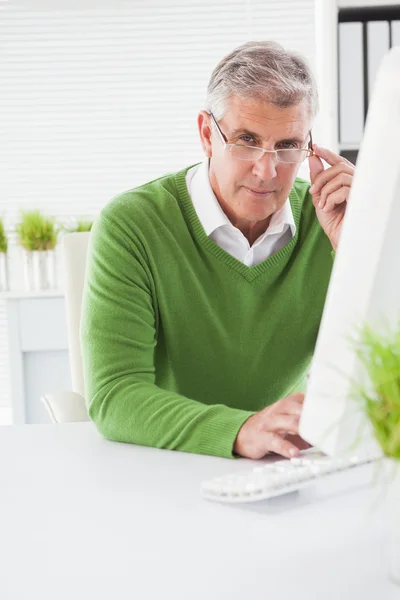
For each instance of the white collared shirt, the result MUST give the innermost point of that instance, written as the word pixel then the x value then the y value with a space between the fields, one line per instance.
pixel 218 227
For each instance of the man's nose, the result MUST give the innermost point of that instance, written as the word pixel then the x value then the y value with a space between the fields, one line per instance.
pixel 265 167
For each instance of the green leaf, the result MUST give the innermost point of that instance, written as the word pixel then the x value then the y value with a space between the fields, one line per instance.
pixel 379 355
pixel 3 238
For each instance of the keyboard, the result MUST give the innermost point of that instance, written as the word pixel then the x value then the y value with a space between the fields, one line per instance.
pixel 280 477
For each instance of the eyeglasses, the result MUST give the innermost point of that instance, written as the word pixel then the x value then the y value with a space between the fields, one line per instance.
pixel 254 153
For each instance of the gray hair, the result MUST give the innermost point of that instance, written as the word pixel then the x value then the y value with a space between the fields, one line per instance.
pixel 263 70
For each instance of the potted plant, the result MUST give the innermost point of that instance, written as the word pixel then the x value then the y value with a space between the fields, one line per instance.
pixel 379 354
pixel 4 272
pixel 37 234
pixel 81 225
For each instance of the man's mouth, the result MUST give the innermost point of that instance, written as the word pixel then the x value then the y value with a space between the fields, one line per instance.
pixel 258 192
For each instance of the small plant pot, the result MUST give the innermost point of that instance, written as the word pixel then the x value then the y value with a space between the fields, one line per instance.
pixel 393 519
pixel 40 270
pixel 4 272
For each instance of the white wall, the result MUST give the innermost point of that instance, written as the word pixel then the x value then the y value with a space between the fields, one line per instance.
pixel 326 18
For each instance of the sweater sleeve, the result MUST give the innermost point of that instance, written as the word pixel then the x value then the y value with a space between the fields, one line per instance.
pixel 118 339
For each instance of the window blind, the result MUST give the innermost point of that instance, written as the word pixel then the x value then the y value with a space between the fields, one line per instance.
pixel 99 97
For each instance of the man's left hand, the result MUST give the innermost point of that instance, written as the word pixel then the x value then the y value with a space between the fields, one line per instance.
pixel 330 190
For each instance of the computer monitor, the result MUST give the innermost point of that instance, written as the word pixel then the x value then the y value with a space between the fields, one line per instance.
pixel 365 282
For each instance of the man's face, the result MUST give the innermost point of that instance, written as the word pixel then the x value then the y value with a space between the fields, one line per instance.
pixel 253 190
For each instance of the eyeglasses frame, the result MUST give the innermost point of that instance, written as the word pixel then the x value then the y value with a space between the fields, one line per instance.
pixel 226 145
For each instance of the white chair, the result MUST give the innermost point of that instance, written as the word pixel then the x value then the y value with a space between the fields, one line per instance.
pixel 66 407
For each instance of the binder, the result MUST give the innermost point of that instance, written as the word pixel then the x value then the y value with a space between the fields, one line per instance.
pixel 395 33
pixel 378 46
pixel 351 95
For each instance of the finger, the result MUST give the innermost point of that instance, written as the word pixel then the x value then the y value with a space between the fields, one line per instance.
pixel 292 405
pixel 330 157
pixel 274 443
pixel 336 198
pixel 328 175
pixel 297 396
pixel 282 423
pixel 316 166
pixel 298 441
pixel 342 180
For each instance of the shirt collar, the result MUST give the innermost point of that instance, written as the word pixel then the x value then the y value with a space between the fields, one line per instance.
pixel 205 202
pixel 212 216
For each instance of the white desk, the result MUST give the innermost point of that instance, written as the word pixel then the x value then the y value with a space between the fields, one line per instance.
pixel 84 518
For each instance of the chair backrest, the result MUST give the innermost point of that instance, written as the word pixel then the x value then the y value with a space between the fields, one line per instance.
pixel 75 246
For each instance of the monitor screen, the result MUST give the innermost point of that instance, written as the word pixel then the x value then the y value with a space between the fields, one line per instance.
pixel 365 282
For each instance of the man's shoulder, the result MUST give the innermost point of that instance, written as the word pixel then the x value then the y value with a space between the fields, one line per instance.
pixel 154 198
pixel 300 196
pixel 302 203
pixel 141 198
pixel 301 186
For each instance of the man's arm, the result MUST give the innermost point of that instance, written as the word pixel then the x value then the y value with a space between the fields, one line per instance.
pixel 118 339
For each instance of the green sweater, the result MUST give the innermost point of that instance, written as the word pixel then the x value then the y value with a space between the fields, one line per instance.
pixel 181 342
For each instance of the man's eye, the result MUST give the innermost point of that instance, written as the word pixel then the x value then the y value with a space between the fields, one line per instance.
pixel 247 139
pixel 287 145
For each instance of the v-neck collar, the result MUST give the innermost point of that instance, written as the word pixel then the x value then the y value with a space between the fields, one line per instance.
pixel 249 273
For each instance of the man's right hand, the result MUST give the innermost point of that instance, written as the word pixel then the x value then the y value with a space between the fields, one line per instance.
pixel 265 431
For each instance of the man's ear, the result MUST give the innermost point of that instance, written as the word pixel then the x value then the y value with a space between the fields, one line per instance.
pixel 204 126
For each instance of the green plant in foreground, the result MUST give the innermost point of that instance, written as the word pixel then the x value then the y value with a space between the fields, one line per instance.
pixel 36 231
pixel 3 238
pixel 380 356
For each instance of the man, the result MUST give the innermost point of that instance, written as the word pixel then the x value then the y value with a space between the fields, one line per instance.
pixel 205 288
